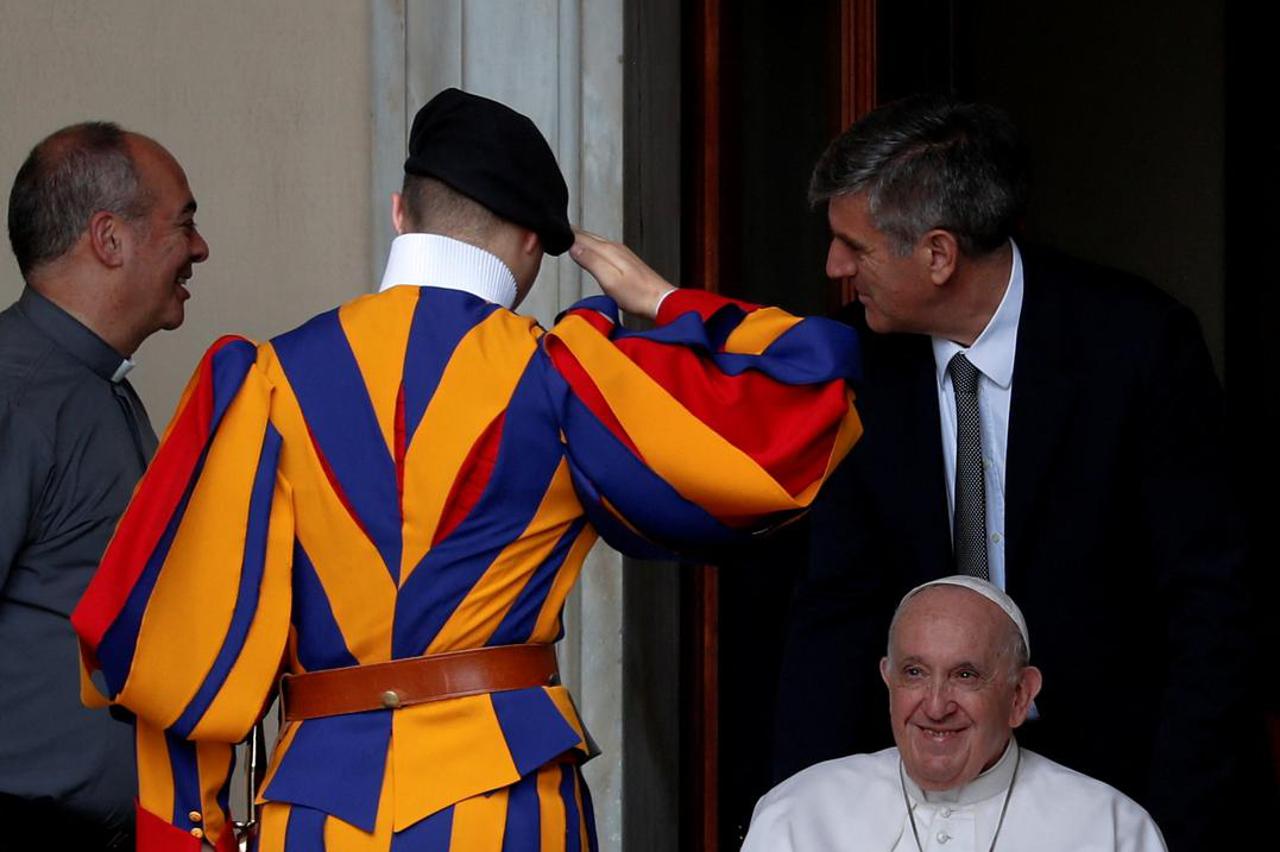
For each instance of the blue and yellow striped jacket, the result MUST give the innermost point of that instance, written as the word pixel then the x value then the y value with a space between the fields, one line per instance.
pixel 421 471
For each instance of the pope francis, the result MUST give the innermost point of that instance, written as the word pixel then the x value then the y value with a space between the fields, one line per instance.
pixel 959 683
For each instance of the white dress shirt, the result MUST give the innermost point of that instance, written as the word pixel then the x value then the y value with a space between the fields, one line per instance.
pixel 859 803
pixel 430 260
pixel 993 354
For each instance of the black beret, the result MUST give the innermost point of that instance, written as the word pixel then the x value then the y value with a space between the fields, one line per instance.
pixel 495 156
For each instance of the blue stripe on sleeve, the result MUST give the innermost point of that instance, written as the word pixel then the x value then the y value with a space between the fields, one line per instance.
pixel 646 500
pixel 186 778
pixel 255 554
pixel 119 643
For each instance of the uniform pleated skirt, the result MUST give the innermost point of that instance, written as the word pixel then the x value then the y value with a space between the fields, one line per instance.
pixel 546 811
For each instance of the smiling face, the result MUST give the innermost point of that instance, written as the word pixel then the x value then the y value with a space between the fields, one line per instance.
pixel 164 243
pixel 955 693
pixel 896 291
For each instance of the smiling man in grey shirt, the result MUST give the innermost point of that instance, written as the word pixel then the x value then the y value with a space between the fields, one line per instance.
pixel 102 224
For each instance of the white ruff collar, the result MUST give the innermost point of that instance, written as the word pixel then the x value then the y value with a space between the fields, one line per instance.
pixel 430 260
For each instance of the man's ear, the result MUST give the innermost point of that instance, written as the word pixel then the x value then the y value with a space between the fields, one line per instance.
pixel 397 212
pixel 1024 692
pixel 107 234
pixel 884 670
pixel 942 253
pixel 531 243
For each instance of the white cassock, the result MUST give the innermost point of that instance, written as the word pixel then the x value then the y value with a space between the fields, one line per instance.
pixel 856 803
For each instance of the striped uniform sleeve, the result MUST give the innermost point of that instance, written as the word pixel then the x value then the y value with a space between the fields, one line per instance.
pixel 186 620
pixel 721 422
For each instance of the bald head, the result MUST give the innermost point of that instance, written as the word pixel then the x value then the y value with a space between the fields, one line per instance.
pixel 72 174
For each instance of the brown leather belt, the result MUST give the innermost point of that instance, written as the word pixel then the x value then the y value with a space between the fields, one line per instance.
pixel 403 683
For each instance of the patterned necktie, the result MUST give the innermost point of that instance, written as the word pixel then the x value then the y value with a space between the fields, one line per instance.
pixel 970 519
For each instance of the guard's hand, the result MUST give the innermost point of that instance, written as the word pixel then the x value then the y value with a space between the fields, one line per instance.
pixel 625 278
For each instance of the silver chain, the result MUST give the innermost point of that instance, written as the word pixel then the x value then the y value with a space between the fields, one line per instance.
pixel 906 800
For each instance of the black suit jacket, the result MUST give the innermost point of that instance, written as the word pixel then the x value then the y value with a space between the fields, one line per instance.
pixel 1122 549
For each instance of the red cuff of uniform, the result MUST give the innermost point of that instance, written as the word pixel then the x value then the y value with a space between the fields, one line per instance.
pixel 705 304
pixel 157 835
pixel 227 842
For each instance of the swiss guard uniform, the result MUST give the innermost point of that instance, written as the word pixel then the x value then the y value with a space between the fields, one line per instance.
pixel 389 506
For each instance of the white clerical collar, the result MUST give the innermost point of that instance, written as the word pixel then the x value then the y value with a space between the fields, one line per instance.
pixel 993 352
pixel 430 260
pixel 993 782
pixel 123 370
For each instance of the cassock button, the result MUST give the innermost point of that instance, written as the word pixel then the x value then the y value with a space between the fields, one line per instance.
pixel 946 812
pixel 943 837
pixel 391 699
pixel 194 816
pixel 197 833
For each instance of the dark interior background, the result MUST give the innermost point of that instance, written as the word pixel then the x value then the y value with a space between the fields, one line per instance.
pixel 1152 150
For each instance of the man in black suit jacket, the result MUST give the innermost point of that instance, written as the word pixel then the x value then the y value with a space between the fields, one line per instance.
pixel 1107 511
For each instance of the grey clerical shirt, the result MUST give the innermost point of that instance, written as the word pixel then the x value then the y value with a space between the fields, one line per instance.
pixel 73 443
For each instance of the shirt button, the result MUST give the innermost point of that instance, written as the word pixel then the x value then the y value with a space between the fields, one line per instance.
pixel 995 537
pixel 943 837
pixel 197 833
pixel 946 812
pixel 194 816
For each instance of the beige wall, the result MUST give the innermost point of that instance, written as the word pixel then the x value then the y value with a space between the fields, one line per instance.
pixel 266 105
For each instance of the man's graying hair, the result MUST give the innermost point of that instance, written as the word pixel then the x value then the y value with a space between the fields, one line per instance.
pixel 930 162
pixel 73 174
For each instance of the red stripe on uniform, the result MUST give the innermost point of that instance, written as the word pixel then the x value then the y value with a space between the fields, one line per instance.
pixel 400 446
pixel 789 430
pixel 153 834
pixel 473 476
pixel 152 507
pixel 595 319
pixel 701 302
pixel 587 392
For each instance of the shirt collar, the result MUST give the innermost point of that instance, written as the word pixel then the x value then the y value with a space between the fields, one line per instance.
pixel 431 260
pixel 993 352
pixel 991 783
pixel 75 338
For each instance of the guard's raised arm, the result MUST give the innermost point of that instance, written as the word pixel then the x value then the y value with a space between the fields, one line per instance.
pixel 625 278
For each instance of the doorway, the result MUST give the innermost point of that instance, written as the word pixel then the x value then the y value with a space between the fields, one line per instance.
pixel 1148 154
